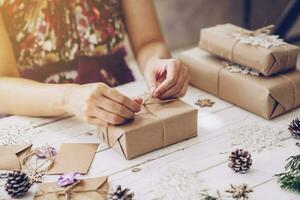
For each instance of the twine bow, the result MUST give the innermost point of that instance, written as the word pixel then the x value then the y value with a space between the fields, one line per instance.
pixel 260 37
pixel 68 191
pixel 148 100
pixel 264 30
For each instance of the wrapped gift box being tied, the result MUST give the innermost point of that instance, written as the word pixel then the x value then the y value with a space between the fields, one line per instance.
pixel 159 124
pixel 267 97
pixel 254 49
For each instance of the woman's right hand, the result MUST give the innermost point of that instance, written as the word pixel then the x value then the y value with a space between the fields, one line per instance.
pixel 100 105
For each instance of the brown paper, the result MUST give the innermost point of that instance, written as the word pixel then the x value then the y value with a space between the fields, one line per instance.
pixel 219 40
pixel 87 189
pixel 11 156
pixel 73 157
pixel 265 96
pixel 158 125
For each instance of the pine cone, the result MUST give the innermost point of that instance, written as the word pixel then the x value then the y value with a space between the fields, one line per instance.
pixel 120 194
pixel 294 128
pixel 240 161
pixel 17 184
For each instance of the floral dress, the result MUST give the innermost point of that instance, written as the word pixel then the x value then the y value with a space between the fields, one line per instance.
pixel 67 41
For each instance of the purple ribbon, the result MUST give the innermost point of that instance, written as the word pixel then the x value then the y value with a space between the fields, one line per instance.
pixel 68 179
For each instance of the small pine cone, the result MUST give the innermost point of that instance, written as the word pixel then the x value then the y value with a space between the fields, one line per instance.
pixel 17 184
pixel 240 161
pixel 120 194
pixel 294 128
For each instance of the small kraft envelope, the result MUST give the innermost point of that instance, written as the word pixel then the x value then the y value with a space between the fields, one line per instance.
pixel 11 156
pixel 85 189
pixel 74 157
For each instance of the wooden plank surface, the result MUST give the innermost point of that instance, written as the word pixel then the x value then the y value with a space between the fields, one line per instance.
pixel 183 170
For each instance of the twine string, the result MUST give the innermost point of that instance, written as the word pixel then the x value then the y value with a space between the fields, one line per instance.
pixel 40 168
pixel 68 191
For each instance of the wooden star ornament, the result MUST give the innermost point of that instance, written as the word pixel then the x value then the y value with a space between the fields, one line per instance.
pixel 36 177
pixel 204 103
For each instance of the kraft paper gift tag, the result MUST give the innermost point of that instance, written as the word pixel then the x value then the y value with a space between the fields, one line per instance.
pixel 74 157
pixel 87 189
pixel 11 155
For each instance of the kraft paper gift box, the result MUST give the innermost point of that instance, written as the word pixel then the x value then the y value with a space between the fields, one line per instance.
pixel 159 124
pixel 11 156
pixel 87 189
pixel 248 49
pixel 267 97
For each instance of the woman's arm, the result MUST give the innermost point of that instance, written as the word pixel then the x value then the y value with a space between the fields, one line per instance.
pixel 166 77
pixel 94 103
pixel 8 65
pixel 20 96
pixel 25 97
pixel 143 28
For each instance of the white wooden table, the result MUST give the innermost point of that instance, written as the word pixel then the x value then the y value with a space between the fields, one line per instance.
pixel 199 158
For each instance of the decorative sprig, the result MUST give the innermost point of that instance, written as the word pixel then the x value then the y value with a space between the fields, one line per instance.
pixel 206 196
pixel 290 179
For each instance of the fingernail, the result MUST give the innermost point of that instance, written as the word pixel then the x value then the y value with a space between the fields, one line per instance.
pixel 156 94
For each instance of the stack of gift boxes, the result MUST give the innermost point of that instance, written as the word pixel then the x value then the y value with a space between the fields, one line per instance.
pixel 251 69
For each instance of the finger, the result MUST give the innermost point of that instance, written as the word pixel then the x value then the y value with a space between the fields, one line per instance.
pixel 107 116
pixel 177 87
pixel 114 107
pixel 138 100
pixel 152 83
pixel 97 122
pixel 150 75
pixel 121 99
pixel 170 81
pixel 184 88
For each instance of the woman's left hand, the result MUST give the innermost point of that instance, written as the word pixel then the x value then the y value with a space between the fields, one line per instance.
pixel 167 78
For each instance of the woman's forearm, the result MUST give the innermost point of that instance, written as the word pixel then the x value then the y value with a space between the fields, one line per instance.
pixel 25 97
pixel 94 103
pixel 144 31
pixel 152 50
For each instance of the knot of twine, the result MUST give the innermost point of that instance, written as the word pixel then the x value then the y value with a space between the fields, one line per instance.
pixel 260 37
pixel 148 100
pixel 264 30
pixel 67 192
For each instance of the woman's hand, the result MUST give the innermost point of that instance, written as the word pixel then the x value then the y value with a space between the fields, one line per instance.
pixel 166 78
pixel 100 105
